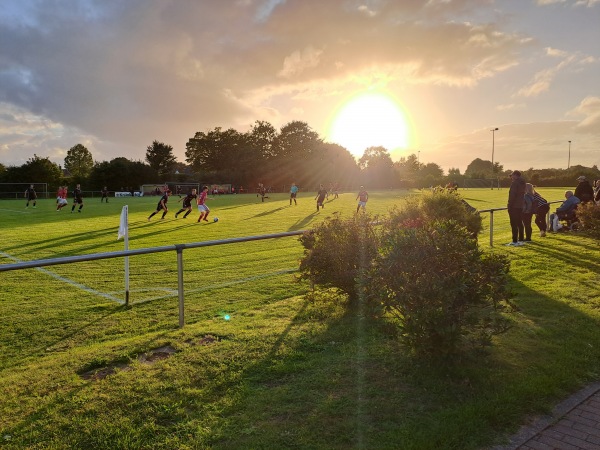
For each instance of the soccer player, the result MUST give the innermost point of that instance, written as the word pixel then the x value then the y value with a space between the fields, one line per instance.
pixel 77 198
pixel 31 196
pixel 293 193
pixel 104 193
pixel 162 205
pixel 187 203
pixel 320 198
pixel 61 198
pixel 362 197
pixel 202 208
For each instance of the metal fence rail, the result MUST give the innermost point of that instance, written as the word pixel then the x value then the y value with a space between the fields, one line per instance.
pixel 144 251
pixel 179 249
pixel 492 210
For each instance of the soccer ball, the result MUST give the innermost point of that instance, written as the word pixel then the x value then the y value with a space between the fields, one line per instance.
pixel 216 219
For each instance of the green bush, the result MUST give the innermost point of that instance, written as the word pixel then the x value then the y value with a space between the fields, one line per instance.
pixel 589 216
pixel 445 293
pixel 435 206
pixel 336 251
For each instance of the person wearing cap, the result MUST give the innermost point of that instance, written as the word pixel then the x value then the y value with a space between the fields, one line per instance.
pixel 565 211
pixel 584 190
pixel 516 201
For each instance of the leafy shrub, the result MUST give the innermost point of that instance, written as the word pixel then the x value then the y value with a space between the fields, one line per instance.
pixel 336 250
pixel 444 292
pixel 436 206
pixel 589 216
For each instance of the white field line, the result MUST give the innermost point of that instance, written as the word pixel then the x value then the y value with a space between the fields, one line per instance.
pixel 169 292
pixel 68 281
pixel 175 292
pixel 14 210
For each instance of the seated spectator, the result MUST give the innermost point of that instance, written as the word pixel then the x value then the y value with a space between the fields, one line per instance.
pixel 584 191
pixel 565 211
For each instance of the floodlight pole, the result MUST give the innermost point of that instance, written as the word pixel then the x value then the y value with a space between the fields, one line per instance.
pixel 493 130
pixel 569 161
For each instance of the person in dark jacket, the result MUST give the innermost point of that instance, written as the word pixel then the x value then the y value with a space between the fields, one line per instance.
pixel 584 190
pixel 515 205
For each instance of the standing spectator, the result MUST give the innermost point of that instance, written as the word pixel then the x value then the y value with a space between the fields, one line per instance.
pixel 77 198
pixel 104 193
pixel 162 205
pixel 320 197
pixel 293 193
pixel 187 204
pixel 584 191
pixel 363 198
pixel 516 195
pixel 540 209
pixel 31 196
pixel 529 204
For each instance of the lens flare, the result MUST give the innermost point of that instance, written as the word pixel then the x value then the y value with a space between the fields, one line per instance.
pixel 370 120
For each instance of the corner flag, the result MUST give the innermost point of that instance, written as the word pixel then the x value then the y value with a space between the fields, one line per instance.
pixel 123 225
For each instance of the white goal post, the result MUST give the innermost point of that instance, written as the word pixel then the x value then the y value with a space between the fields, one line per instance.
pixel 17 190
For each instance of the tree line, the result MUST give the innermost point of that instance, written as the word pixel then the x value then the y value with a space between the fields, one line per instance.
pixel 293 154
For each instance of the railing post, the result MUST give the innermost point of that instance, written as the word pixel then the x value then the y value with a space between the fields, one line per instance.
pixel 180 284
pixel 491 228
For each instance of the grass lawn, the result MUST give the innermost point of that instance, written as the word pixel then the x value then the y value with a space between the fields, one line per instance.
pixel 263 362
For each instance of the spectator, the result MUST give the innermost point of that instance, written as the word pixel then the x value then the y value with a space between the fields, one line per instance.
pixel 597 192
pixel 584 191
pixel 564 211
pixel 528 209
pixel 540 209
pixel 515 204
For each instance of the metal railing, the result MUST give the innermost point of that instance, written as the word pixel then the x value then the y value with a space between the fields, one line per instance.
pixel 144 251
pixel 179 249
pixel 492 210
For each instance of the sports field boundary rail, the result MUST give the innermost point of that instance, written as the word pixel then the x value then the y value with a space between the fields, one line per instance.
pixel 179 248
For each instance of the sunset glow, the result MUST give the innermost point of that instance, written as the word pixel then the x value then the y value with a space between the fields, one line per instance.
pixel 369 120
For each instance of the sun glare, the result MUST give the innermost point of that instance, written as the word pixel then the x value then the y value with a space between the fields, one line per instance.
pixel 370 120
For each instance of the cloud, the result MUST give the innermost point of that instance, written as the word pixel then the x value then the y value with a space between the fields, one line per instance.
pixel 590 109
pixel 298 61
pixel 122 74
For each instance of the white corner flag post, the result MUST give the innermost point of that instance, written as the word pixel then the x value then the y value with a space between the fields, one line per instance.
pixel 124 233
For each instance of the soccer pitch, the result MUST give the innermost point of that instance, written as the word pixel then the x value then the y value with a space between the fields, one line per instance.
pixel 254 347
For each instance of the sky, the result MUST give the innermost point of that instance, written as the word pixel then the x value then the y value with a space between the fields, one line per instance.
pixel 431 78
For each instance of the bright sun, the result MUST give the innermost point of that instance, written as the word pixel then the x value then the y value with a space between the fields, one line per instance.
pixel 369 120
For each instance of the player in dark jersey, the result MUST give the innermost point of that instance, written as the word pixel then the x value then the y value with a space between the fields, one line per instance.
pixel 104 193
pixel 77 198
pixel 187 203
pixel 31 196
pixel 320 198
pixel 162 205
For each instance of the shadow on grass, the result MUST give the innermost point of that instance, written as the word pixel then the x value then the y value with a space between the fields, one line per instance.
pixel 330 377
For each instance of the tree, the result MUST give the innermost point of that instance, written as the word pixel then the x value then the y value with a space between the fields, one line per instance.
pixel 478 168
pixel 377 167
pixel 36 169
pixel 121 172
pixel 79 161
pixel 160 157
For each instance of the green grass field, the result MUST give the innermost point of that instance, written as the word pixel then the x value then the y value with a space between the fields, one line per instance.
pixel 262 362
